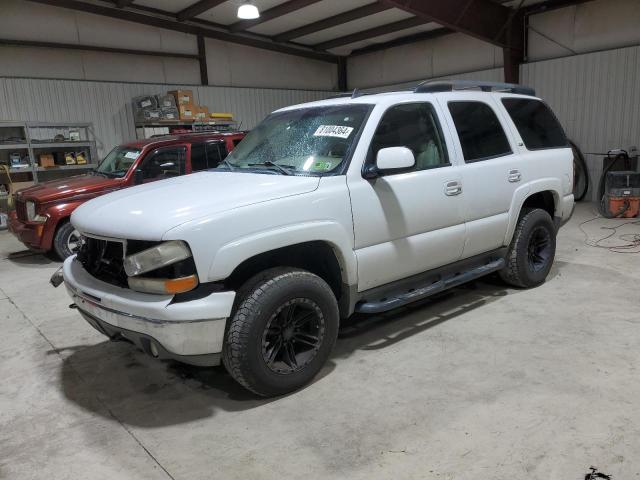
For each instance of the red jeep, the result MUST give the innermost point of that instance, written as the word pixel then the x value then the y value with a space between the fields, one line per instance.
pixel 41 218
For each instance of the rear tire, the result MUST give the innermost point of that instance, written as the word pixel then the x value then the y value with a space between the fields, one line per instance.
pixel 532 250
pixel 66 240
pixel 283 329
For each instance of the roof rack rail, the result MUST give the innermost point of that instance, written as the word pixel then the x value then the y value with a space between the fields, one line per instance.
pixel 355 94
pixel 430 86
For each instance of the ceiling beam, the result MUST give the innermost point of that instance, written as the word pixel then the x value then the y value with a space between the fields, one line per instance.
pixel 93 48
pixel 339 19
pixel 397 42
pixel 483 19
pixel 190 28
pixel 275 12
pixel 197 8
pixel 371 33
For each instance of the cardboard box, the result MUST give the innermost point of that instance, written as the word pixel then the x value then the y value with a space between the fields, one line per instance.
pixel 46 160
pixel 187 112
pixel 183 97
pixel 166 101
pixel 70 158
pixel 202 113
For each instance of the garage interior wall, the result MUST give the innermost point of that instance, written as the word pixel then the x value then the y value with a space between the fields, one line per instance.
pixel 108 104
pixel 228 64
pixel 584 60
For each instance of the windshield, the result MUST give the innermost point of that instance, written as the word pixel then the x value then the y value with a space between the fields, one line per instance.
pixel 117 163
pixel 310 141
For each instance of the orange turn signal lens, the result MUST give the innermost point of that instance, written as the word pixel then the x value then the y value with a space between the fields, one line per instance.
pixel 163 285
pixel 181 285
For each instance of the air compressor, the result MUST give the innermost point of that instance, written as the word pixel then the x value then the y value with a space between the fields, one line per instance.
pixel 619 186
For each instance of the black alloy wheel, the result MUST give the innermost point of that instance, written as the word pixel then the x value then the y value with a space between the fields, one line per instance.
pixel 293 336
pixel 539 249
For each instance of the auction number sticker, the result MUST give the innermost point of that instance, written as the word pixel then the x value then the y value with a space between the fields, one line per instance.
pixel 333 131
pixel 132 155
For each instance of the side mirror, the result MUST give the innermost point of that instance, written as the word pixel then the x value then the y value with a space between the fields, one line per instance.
pixel 390 159
pixel 138 177
pixel 395 158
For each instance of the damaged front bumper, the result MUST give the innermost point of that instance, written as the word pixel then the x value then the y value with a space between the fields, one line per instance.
pixel 191 332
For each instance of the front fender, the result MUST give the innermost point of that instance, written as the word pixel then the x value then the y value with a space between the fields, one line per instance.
pixel 232 254
pixel 57 213
pixel 554 185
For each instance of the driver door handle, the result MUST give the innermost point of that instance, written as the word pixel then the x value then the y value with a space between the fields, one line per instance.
pixel 452 188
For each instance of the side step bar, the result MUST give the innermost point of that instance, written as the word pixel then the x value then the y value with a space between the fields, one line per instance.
pixel 404 297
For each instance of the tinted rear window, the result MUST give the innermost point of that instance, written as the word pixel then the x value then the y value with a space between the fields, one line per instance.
pixel 481 135
pixel 536 123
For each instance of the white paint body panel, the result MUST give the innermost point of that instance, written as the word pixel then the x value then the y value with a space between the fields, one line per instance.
pixel 380 230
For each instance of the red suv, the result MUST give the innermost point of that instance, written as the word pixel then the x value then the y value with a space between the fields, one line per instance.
pixel 41 218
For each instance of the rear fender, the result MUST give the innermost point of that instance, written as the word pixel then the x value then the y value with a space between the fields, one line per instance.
pixel 554 185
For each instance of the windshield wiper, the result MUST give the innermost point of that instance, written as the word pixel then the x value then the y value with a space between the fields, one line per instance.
pixel 269 163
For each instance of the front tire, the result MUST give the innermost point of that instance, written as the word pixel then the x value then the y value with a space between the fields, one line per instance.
pixel 66 241
pixel 284 326
pixel 532 250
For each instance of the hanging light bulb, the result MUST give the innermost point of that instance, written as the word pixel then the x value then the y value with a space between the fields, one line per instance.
pixel 248 11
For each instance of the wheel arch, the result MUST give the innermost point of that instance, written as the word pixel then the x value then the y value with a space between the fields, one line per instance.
pixel 319 257
pixel 544 194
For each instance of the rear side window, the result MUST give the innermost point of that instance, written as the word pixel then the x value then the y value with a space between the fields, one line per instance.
pixel 198 157
pixel 481 135
pixel 216 152
pixel 536 123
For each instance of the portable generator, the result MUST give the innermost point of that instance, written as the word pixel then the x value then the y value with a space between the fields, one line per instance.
pixel 622 194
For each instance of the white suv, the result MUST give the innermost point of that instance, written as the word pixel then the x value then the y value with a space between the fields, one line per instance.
pixel 360 203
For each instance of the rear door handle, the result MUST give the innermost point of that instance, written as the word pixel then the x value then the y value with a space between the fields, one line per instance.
pixel 452 188
pixel 514 176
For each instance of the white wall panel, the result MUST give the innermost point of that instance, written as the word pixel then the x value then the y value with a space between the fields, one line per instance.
pixel 443 56
pixel 241 66
pixel 108 105
pixel 589 26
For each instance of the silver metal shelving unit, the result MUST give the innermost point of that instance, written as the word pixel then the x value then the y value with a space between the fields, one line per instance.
pixel 36 138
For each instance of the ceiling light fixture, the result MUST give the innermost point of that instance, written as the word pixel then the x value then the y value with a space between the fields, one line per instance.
pixel 248 11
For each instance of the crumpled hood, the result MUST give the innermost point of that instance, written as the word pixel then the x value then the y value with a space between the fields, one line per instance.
pixel 66 188
pixel 146 212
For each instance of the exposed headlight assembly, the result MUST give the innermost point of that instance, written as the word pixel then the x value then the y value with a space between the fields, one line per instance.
pixel 31 213
pixel 156 257
pixel 162 255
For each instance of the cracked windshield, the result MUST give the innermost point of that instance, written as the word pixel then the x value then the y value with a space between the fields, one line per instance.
pixel 311 141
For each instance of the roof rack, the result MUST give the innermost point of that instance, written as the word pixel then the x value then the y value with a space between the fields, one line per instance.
pixel 355 94
pixel 430 86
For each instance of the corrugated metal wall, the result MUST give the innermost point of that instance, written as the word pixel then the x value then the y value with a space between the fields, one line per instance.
pixel 491 75
pixel 108 105
pixel 596 97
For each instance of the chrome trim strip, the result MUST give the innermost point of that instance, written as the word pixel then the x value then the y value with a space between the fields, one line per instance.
pixel 135 317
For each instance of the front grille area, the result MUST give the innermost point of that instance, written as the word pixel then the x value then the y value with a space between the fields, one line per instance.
pixel 21 210
pixel 103 259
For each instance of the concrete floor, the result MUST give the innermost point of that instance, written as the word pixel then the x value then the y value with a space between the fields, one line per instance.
pixel 484 382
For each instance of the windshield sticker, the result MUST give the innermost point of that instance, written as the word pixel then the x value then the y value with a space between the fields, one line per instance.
pixel 132 155
pixel 318 166
pixel 333 131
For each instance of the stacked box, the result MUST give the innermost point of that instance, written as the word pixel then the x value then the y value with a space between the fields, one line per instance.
pixel 168 108
pixel 182 97
pixel 143 106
